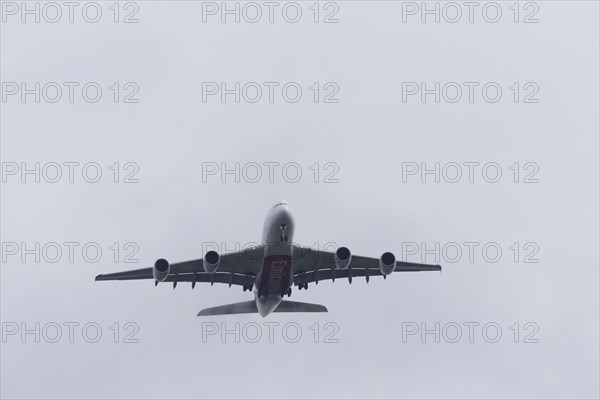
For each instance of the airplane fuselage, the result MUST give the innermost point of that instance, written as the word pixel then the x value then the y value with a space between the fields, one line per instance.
pixel 275 277
pixel 271 276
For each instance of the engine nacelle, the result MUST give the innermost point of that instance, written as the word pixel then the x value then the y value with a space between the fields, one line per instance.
pixel 342 258
pixel 387 263
pixel 161 270
pixel 211 261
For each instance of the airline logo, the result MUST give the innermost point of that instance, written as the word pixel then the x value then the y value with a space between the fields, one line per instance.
pixel 276 273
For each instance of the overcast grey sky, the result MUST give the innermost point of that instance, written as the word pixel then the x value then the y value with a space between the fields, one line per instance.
pixel 365 126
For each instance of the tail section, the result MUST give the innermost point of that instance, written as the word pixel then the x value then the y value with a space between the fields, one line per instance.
pixel 245 307
pixel 249 307
pixel 296 306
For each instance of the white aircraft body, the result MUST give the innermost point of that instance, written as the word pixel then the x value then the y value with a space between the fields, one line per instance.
pixel 271 269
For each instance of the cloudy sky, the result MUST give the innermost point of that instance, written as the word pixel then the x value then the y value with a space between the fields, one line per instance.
pixel 472 142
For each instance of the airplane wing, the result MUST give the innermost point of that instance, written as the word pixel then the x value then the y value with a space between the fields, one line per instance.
pixel 236 268
pixel 312 265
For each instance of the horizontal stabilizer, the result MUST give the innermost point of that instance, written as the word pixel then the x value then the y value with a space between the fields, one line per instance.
pixel 296 306
pixel 249 307
pixel 245 307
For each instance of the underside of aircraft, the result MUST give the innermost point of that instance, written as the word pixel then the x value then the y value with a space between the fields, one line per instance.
pixel 271 269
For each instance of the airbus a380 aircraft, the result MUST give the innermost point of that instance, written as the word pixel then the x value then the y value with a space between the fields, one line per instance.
pixel 271 269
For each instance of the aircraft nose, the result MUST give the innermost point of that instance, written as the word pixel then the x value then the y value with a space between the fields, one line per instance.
pixel 285 212
pixel 281 203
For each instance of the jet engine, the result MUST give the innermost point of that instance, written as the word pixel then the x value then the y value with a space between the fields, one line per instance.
pixel 387 263
pixel 342 258
pixel 211 261
pixel 161 270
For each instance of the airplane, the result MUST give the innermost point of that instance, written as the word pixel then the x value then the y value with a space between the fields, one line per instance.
pixel 271 269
